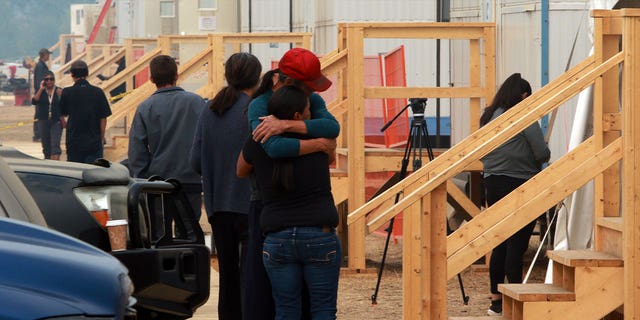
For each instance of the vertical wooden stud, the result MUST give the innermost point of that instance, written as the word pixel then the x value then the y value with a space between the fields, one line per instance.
pixel 355 140
pixel 631 162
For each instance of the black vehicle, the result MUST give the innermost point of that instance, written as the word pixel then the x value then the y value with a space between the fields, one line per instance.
pixel 49 275
pixel 170 273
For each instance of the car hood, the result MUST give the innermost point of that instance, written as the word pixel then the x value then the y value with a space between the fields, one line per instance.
pixel 56 274
pixel 89 174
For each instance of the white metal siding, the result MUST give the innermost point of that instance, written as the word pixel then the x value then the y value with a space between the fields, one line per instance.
pixel 518 50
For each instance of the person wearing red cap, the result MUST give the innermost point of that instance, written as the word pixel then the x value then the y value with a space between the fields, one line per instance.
pixel 298 67
pixel 298 219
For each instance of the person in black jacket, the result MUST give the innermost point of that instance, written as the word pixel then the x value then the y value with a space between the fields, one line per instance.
pixel 38 74
pixel 47 102
pixel 87 109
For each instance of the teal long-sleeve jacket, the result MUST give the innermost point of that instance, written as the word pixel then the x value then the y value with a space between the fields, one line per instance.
pixel 321 125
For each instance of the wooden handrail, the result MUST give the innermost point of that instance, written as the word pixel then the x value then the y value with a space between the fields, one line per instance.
pixel 60 73
pixel 506 217
pixel 131 70
pixel 496 133
pixel 463 148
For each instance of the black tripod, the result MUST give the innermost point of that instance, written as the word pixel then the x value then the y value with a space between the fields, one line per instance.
pixel 418 136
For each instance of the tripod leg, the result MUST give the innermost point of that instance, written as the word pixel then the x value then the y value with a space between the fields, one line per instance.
pixel 374 297
pixel 465 298
pixel 403 173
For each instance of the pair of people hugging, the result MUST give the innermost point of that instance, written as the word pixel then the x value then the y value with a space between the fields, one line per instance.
pixel 298 216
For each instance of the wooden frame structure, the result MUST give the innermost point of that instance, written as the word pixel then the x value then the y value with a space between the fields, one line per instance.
pixel 211 60
pixel 430 257
pixel 353 36
pixel 61 46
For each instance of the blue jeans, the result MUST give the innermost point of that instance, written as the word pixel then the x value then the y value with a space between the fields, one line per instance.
pixel 298 254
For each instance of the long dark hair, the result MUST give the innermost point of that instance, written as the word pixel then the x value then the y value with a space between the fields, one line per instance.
pixel 242 71
pixel 509 94
pixel 266 84
pixel 284 104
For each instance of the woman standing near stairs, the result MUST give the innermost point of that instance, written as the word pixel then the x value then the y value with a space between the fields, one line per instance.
pixel 505 169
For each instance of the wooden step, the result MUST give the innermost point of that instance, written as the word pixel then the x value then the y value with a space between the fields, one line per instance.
pixel 585 258
pixel 532 292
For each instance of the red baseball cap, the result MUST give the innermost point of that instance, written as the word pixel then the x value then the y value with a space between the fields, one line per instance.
pixel 302 64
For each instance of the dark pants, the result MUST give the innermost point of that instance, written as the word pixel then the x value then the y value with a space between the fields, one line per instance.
pixel 230 235
pixel 83 156
pixel 258 297
pixel 50 132
pixel 506 259
pixel 194 194
pixel 36 131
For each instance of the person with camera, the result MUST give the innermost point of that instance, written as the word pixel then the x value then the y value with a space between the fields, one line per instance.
pixel 47 102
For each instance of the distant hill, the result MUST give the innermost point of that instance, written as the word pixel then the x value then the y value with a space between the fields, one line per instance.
pixel 28 25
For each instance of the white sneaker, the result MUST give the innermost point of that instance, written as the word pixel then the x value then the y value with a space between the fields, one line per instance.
pixel 493 313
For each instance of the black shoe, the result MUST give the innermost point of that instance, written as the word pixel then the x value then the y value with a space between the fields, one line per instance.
pixel 496 308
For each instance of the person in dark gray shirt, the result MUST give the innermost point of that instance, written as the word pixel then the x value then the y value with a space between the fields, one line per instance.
pixel 505 169
pixel 162 128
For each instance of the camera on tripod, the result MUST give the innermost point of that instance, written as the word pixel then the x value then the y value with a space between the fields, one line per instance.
pixel 417 106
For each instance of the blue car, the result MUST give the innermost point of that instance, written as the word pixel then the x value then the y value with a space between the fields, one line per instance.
pixel 165 253
pixel 45 274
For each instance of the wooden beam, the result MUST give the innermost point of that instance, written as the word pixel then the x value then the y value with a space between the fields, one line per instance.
pixel 355 141
pixel 417 32
pixel 433 92
pixel 412 267
pixel 631 163
pixel 459 201
pixel 474 81
pixel 434 255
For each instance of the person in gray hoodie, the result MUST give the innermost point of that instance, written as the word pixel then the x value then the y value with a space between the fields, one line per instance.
pixel 162 129
pixel 505 169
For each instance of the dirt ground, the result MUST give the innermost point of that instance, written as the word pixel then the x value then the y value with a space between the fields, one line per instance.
pixel 354 297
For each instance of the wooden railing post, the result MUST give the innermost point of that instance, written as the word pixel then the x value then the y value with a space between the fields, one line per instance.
pixel 216 66
pixel 164 43
pixel 424 257
pixel 434 254
pixel 631 161
pixel 606 104
pixel 355 140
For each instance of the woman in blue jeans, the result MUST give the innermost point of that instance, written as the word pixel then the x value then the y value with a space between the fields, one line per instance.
pixel 298 217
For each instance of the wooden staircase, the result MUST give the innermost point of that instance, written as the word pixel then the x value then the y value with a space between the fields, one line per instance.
pixel 586 285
